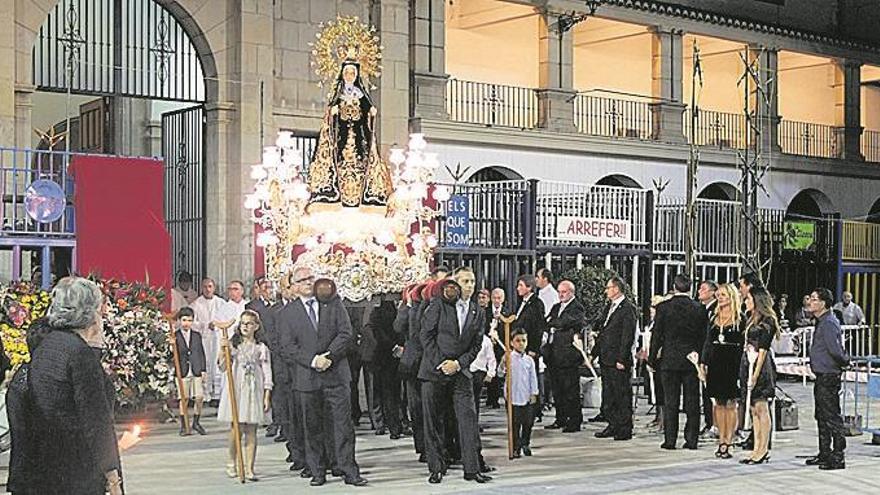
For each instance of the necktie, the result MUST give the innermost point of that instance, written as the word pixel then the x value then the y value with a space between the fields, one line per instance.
pixel 610 312
pixel 310 306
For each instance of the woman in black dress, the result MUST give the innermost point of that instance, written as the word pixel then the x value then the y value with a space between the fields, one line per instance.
pixel 721 357
pixel 72 425
pixel 762 328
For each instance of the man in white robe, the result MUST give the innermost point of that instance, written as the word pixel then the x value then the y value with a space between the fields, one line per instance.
pixel 205 308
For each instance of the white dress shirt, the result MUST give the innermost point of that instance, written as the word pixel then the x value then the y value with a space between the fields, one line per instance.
pixel 485 360
pixel 549 296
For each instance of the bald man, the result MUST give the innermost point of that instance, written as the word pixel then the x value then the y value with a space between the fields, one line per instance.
pixel 566 319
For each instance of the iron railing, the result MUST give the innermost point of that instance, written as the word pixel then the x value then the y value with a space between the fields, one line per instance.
pixel 861 241
pixel 19 169
pixel 612 117
pixel 491 104
pixel 871 145
pixel 717 226
pixel 498 214
pixel 586 201
pixel 716 129
pixel 808 139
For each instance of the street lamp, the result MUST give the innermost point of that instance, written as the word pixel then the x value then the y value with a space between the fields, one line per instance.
pixel 569 20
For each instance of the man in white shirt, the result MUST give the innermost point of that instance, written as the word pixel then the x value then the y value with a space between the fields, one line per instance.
pixel 548 294
pixel 205 309
pixel 550 297
pixel 852 313
pixel 183 294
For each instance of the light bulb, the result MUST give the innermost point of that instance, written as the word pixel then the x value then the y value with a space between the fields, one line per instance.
pixel 251 202
pixel 431 241
pixel 258 172
pixel 261 192
pixel 271 156
pixel 417 141
pixel 397 156
pixel 417 242
pixel 431 161
pixel 284 140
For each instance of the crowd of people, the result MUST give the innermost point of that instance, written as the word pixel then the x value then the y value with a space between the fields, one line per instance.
pixel 426 356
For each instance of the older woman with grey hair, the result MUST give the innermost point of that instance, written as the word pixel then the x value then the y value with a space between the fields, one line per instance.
pixel 73 433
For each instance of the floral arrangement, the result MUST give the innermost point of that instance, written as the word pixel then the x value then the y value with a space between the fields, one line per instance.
pixel 135 333
pixel 22 304
pixel 136 355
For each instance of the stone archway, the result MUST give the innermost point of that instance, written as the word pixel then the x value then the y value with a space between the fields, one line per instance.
pixel 720 191
pixel 811 203
pixel 494 173
pixel 874 212
pixel 619 180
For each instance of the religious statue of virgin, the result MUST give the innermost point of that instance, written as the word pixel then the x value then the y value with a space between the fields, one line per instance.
pixel 347 168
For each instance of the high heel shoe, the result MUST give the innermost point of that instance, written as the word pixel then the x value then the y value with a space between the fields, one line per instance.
pixel 718 452
pixel 724 451
pixel 750 461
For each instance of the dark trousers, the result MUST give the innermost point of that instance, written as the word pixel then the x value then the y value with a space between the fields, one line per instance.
pixel 826 396
pixel 493 391
pixel 456 393
pixel 293 428
pixel 280 401
pixel 548 395
pixel 386 394
pixel 567 397
pixel 676 383
pixel 617 400
pixel 523 421
pixel 414 400
pixel 478 379
pixel 708 417
pixel 323 410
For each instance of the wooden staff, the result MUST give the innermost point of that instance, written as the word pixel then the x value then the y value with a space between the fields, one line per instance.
pixel 233 403
pixel 508 383
pixel 183 399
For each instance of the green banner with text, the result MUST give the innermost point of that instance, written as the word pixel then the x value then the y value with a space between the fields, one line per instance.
pixel 799 236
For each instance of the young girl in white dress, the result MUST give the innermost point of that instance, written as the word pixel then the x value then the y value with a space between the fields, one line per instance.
pixel 252 374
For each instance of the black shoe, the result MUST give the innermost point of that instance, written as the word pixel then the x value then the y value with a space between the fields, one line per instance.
pixel 280 438
pixel 289 458
pixel 571 429
pixel 357 481
pixel 197 427
pixel 689 446
pixel 478 477
pixel 395 436
pixel 485 468
pixel 214 403
pixel 539 419
pixel 817 460
pixel 606 433
pixel 406 432
pixel 435 478
pixel 182 431
pixel 833 465
pixel 516 454
pixel 305 473
pixel 527 451
pixel 318 481
pixel 598 419
pixel 299 466
pixel 623 437
pixel 338 473
pixel 271 431
pixel 749 461
pixel 667 446
pixel 554 426
pixel 381 431
pixel 423 458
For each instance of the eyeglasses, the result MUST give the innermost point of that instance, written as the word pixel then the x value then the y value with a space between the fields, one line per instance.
pixel 302 280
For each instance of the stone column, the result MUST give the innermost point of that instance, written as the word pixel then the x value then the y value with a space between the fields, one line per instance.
pixel 768 77
pixel 392 18
pixel 556 94
pixel 24 106
pixel 847 85
pixel 218 134
pixel 427 58
pixel 666 84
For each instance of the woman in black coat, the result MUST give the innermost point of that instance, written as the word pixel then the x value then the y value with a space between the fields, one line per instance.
pixel 74 443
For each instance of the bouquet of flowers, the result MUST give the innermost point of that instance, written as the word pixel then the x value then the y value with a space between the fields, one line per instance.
pixel 22 304
pixel 136 355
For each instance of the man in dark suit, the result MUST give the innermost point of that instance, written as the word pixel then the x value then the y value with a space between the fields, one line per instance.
pixel 451 335
pixel 706 296
pixel 410 362
pixel 318 345
pixel 383 366
pixel 286 405
pixel 566 320
pixel 262 304
pixel 679 330
pixel 615 343
pixel 531 317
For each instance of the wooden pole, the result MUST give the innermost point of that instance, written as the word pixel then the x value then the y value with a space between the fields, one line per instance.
pixel 183 399
pixel 233 403
pixel 508 383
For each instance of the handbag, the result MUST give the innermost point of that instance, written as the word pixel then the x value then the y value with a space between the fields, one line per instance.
pixel 786 410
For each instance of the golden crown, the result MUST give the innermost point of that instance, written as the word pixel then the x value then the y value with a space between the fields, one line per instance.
pixel 346 38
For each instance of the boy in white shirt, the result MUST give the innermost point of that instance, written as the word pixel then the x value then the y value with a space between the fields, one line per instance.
pixel 523 393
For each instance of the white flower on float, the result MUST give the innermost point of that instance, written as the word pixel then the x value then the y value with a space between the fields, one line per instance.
pixel 258 172
pixel 261 192
pixel 384 238
pixel 417 242
pixel 271 156
pixel 311 244
pixel 285 139
pixel 397 156
pixel 431 161
pixel 414 160
pixel 266 239
pixel 251 202
pixel 301 191
pixel 441 193
pixel 417 141
pixel 431 241
pixel 331 236
pixel 419 190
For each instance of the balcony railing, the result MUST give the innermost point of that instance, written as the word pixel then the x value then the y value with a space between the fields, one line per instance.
pixel 497 212
pixel 716 129
pixel 567 199
pixel 861 241
pixel 717 227
pixel 871 146
pixel 19 168
pixel 808 139
pixel 612 117
pixel 491 104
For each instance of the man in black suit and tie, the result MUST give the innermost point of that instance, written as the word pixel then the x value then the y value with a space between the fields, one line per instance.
pixel 318 344
pixel 451 336
pixel 679 330
pixel 706 296
pixel 286 407
pixel 566 320
pixel 615 342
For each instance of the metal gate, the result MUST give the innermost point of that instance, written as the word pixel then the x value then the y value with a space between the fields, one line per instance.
pixel 183 149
